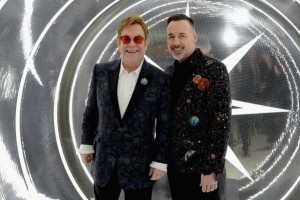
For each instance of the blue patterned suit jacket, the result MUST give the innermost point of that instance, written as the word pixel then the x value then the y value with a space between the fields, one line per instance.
pixel 128 144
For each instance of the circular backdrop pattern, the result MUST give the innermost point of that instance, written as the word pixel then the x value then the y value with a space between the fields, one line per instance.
pixel 58 43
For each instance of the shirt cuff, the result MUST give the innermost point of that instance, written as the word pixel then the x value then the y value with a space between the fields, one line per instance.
pixel 86 149
pixel 160 166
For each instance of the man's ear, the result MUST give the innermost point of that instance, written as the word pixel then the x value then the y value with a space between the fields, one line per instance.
pixel 147 43
pixel 118 41
pixel 195 36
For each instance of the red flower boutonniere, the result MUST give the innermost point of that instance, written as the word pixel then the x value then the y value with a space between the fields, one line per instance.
pixel 202 83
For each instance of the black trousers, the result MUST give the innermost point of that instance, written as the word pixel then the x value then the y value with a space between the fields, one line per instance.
pixel 186 186
pixel 113 189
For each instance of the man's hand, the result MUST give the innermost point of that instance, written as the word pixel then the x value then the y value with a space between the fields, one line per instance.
pixel 209 182
pixel 86 158
pixel 155 173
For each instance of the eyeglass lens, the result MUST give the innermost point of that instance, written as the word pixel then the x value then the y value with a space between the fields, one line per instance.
pixel 137 39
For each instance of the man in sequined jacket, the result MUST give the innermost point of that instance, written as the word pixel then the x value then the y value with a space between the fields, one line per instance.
pixel 201 105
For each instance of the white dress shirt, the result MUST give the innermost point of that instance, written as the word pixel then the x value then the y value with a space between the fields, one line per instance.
pixel 126 85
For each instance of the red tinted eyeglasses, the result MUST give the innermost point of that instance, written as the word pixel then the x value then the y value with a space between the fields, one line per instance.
pixel 137 39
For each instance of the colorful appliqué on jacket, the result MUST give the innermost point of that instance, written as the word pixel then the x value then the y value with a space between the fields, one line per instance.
pixel 201 82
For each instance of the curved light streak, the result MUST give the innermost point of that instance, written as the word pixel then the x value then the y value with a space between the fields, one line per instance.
pixel 21 152
pixel 274 48
pixel 10 168
pixel 272 19
pixel 291 189
pixel 285 18
pixel 280 174
pixel 2 3
pixel 284 150
pixel 26 35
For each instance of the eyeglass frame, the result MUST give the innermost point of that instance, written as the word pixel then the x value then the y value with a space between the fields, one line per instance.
pixel 134 39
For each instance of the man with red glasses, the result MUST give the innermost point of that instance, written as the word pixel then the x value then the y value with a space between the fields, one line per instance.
pixel 127 119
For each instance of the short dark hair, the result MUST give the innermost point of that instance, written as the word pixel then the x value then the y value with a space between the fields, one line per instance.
pixel 178 17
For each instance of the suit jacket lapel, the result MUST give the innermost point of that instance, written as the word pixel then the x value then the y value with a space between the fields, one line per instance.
pixel 140 87
pixel 113 77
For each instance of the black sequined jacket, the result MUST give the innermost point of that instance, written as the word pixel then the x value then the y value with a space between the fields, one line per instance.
pixel 201 118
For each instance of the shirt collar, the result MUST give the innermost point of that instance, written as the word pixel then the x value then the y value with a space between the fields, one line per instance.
pixel 136 72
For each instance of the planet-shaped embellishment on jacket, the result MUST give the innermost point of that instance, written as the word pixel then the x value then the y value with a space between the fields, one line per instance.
pixel 194 121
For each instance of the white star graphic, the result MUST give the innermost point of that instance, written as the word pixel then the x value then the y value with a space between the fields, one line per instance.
pixel 243 107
